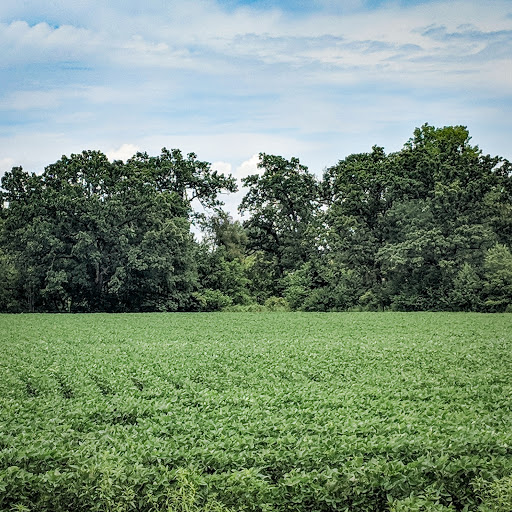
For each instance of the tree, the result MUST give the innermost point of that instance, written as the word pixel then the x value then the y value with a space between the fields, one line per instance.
pixel 222 232
pixel 8 298
pixel 441 218
pixel 107 236
pixel 498 278
pixel 185 179
pixel 283 204
pixel 408 222
pixel 356 194
pixel 440 165
pixel 415 268
pixel 221 264
pixel 427 227
pixel 466 294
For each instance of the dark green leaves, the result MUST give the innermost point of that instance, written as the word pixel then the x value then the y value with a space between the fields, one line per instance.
pixel 91 235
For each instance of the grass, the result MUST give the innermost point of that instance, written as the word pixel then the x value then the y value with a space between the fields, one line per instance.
pixel 241 411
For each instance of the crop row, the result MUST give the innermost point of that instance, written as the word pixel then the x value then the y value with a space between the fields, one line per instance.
pixel 359 412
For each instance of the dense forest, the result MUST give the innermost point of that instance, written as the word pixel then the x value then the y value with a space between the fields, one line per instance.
pixel 426 228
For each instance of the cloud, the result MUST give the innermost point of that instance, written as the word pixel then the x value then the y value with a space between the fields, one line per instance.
pixel 222 167
pixel 466 32
pixel 25 44
pixel 248 167
pixel 230 81
pixel 124 152
pixel 207 40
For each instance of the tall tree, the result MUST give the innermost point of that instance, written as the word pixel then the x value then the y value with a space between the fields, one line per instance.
pixel 440 218
pixel 97 235
pixel 356 192
pixel 283 203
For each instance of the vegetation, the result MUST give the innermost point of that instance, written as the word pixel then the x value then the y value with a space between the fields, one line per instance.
pixel 426 228
pixel 256 412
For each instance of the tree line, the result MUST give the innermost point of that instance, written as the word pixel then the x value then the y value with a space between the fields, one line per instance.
pixel 426 228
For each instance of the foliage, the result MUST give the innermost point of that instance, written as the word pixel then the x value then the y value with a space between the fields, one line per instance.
pixel 277 304
pixel 221 262
pixel 90 235
pixel 467 286
pixel 428 227
pixel 257 412
pixel 412 224
pixel 498 274
pixel 497 495
pixel 8 300
pixel 282 201
pixel 212 300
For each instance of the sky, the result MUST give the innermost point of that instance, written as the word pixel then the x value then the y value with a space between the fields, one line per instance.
pixel 228 79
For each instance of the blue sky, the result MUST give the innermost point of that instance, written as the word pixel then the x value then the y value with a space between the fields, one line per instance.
pixel 228 79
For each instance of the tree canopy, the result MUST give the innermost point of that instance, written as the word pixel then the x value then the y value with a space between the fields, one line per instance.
pixel 426 228
pixel 90 235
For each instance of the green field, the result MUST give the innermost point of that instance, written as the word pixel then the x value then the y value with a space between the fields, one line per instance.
pixel 240 411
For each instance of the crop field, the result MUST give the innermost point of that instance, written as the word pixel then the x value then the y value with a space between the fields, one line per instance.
pixel 265 412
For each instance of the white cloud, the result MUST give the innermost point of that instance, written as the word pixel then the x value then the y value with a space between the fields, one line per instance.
pixel 338 47
pixel 22 43
pixel 232 201
pixel 228 84
pixel 248 167
pixel 222 167
pixel 124 152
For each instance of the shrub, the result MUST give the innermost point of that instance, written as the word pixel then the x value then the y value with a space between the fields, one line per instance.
pixel 277 304
pixel 212 300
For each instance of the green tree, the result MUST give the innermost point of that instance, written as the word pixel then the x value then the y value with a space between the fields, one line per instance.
pixel 442 218
pixel 107 236
pixel 498 278
pixel 221 257
pixel 283 203
pixel 466 294
pixel 264 276
pixel 356 194
pixel 8 298
pixel 415 271
pixel 222 232
pixel 407 223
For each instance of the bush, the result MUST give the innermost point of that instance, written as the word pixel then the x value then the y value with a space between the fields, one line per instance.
pixel 212 300
pixel 277 304
pixel 419 504
pixel 498 279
